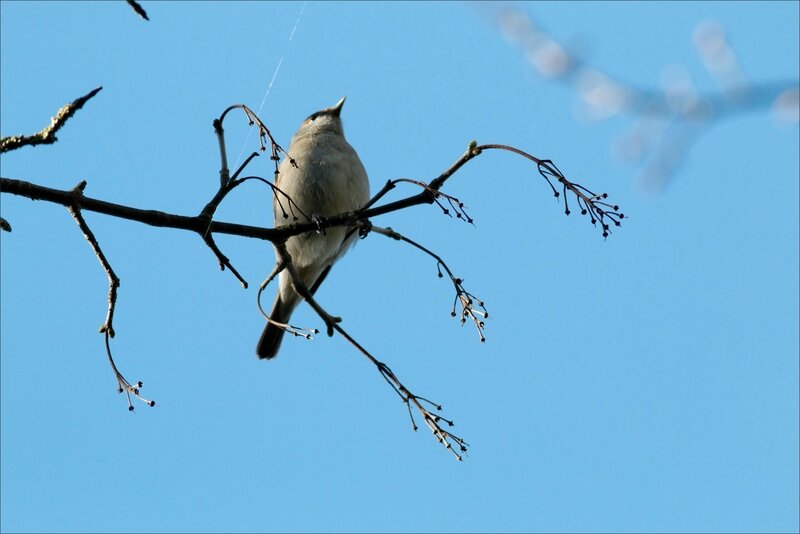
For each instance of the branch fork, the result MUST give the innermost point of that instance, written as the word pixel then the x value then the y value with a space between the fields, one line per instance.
pixel 471 308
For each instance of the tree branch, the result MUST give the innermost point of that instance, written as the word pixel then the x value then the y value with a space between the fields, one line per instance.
pixel 666 121
pixel 463 297
pixel 47 136
pixel 204 225
pixel 113 283
pixel 138 9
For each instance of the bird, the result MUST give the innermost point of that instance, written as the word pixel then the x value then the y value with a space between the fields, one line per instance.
pixel 323 176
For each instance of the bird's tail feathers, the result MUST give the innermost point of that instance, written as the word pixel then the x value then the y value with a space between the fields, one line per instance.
pixel 271 337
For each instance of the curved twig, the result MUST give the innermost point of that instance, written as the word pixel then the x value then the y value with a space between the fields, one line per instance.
pixel 464 297
pixel 107 329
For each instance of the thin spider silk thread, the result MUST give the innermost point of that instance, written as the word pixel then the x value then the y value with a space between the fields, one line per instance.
pixel 271 82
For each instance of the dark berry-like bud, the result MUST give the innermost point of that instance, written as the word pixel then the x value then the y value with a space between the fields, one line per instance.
pixel 130 408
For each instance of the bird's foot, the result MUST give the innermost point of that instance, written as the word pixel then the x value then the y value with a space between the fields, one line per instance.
pixel 364 228
pixel 318 219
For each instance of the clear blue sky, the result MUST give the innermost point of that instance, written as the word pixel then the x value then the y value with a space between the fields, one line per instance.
pixel 648 382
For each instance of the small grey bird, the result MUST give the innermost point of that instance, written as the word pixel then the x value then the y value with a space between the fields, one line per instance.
pixel 328 179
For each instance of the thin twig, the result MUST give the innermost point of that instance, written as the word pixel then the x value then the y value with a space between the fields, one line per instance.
pixel 107 329
pixel 199 224
pixel 222 259
pixel 306 333
pixel 464 297
pixel 264 134
pixel 228 183
pixel 285 259
pixel 332 323
pixel 123 385
pixel 47 135
pixel 138 9
pixel 432 420
pixel 113 279
pixel 593 204
pixel 224 173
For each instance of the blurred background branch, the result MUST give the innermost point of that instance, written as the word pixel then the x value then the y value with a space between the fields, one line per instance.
pixel 666 120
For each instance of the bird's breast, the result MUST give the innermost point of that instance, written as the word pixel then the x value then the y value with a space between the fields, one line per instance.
pixel 328 179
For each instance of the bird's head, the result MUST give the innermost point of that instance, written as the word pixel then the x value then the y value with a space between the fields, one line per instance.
pixel 324 120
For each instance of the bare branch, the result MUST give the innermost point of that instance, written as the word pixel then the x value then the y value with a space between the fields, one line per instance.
pixel 207 215
pixel 151 217
pixel 224 173
pixel 113 279
pixel 306 333
pixel 222 259
pixel 432 420
pixel 285 260
pixel 47 136
pixel 201 225
pixel 472 308
pixel 107 329
pixel 138 9
pixel 463 297
pixel 666 121
pixel 589 203
pixel 264 134
pixel 125 386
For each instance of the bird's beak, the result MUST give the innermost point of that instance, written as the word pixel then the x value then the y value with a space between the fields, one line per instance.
pixel 337 109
